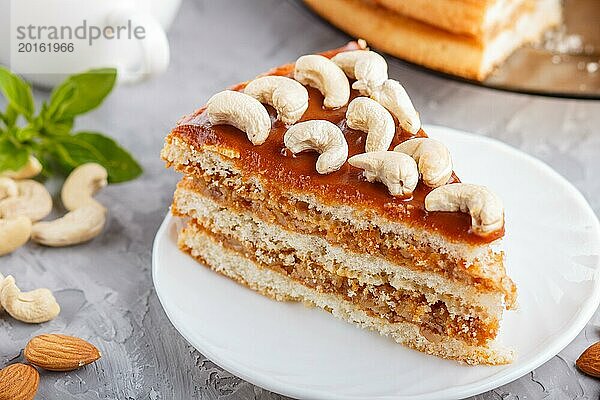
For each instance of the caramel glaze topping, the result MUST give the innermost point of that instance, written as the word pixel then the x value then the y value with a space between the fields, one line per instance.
pixel 296 173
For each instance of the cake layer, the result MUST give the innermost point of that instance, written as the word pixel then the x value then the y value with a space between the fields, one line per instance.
pixel 432 47
pixel 479 268
pixel 353 197
pixel 478 18
pixel 279 286
pixel 277 168
pixel 379 299
pixel 244 227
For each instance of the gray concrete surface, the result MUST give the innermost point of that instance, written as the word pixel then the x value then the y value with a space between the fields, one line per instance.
pixel 105 287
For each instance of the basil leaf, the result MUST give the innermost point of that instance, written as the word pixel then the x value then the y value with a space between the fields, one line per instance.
pixel 85 147
pixel 10 116
pixel 59 128
pixel 48 126
pixel 61 156
pixel 48 135
pixel 26 134
pixel 12 158
pixel 81 93
pixel 60 96
pixel 17 92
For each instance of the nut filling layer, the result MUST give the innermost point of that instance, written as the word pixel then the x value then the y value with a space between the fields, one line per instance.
pixel 291 214
pixel 382 301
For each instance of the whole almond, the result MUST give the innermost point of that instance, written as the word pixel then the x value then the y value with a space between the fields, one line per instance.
pixel 18 382
pixel 589 361
pixel 55 352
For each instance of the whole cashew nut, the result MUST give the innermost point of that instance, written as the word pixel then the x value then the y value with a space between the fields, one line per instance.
pixel 395 170
pixel 33 202
pixel 14 233
pixel 323 74
pixel 77 226
pixel 369 116
pixel 8 188
pixel 321 136
pixel 242 111
pixel 432 157
pixel 31 307
pixel 367 67
pixel 81 184
pixel 392 96
pixel 286 95
pixel 29 170
pixel 485 208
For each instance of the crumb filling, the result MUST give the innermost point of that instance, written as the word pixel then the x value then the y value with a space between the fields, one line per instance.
pixel 298 216
pixel 382 301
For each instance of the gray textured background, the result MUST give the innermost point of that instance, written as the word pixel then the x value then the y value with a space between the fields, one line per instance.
pixel 105 287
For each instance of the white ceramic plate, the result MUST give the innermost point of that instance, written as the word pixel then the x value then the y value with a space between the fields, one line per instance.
pixel 552 246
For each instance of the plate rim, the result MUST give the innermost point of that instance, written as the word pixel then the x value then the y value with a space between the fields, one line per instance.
pixel 578 322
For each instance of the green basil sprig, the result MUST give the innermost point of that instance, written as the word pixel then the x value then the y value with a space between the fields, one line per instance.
pixel 49 135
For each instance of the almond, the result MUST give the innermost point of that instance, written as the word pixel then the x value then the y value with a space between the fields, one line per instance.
pixel 18 382
pixel 589 361
pixel 55 352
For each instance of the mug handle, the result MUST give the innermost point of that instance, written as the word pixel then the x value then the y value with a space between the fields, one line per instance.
pixel 155 46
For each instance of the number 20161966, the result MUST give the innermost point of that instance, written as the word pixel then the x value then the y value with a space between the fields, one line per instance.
pixel 43 47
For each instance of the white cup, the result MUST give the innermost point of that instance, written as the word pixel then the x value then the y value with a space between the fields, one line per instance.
pixel 46 59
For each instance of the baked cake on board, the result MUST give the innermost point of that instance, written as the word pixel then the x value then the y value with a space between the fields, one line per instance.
pixel 467 38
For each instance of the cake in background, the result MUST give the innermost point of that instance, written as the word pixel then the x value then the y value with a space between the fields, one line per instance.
pixel 467 38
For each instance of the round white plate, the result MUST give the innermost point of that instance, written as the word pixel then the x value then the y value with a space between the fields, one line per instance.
pixel 553 249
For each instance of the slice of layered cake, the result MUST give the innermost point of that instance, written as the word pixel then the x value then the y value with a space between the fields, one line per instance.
pixel 316 183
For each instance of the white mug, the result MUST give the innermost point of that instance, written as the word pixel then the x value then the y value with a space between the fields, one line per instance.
pixel 46 40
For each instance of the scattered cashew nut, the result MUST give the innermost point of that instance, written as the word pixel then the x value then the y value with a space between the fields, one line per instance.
pixel 83 182
pixel 323 74
pixel 367 67
pixel 29 170
pixel 33 202
pixel 31 307
pixel 432 157
pixel 397 171
pixel 322 136
pixel 485 208
pixel 369 116
pixel 392 96
pixel 242 111
pixel 8 188
pixel 14 233
pixel 286 95
pixel 77 226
